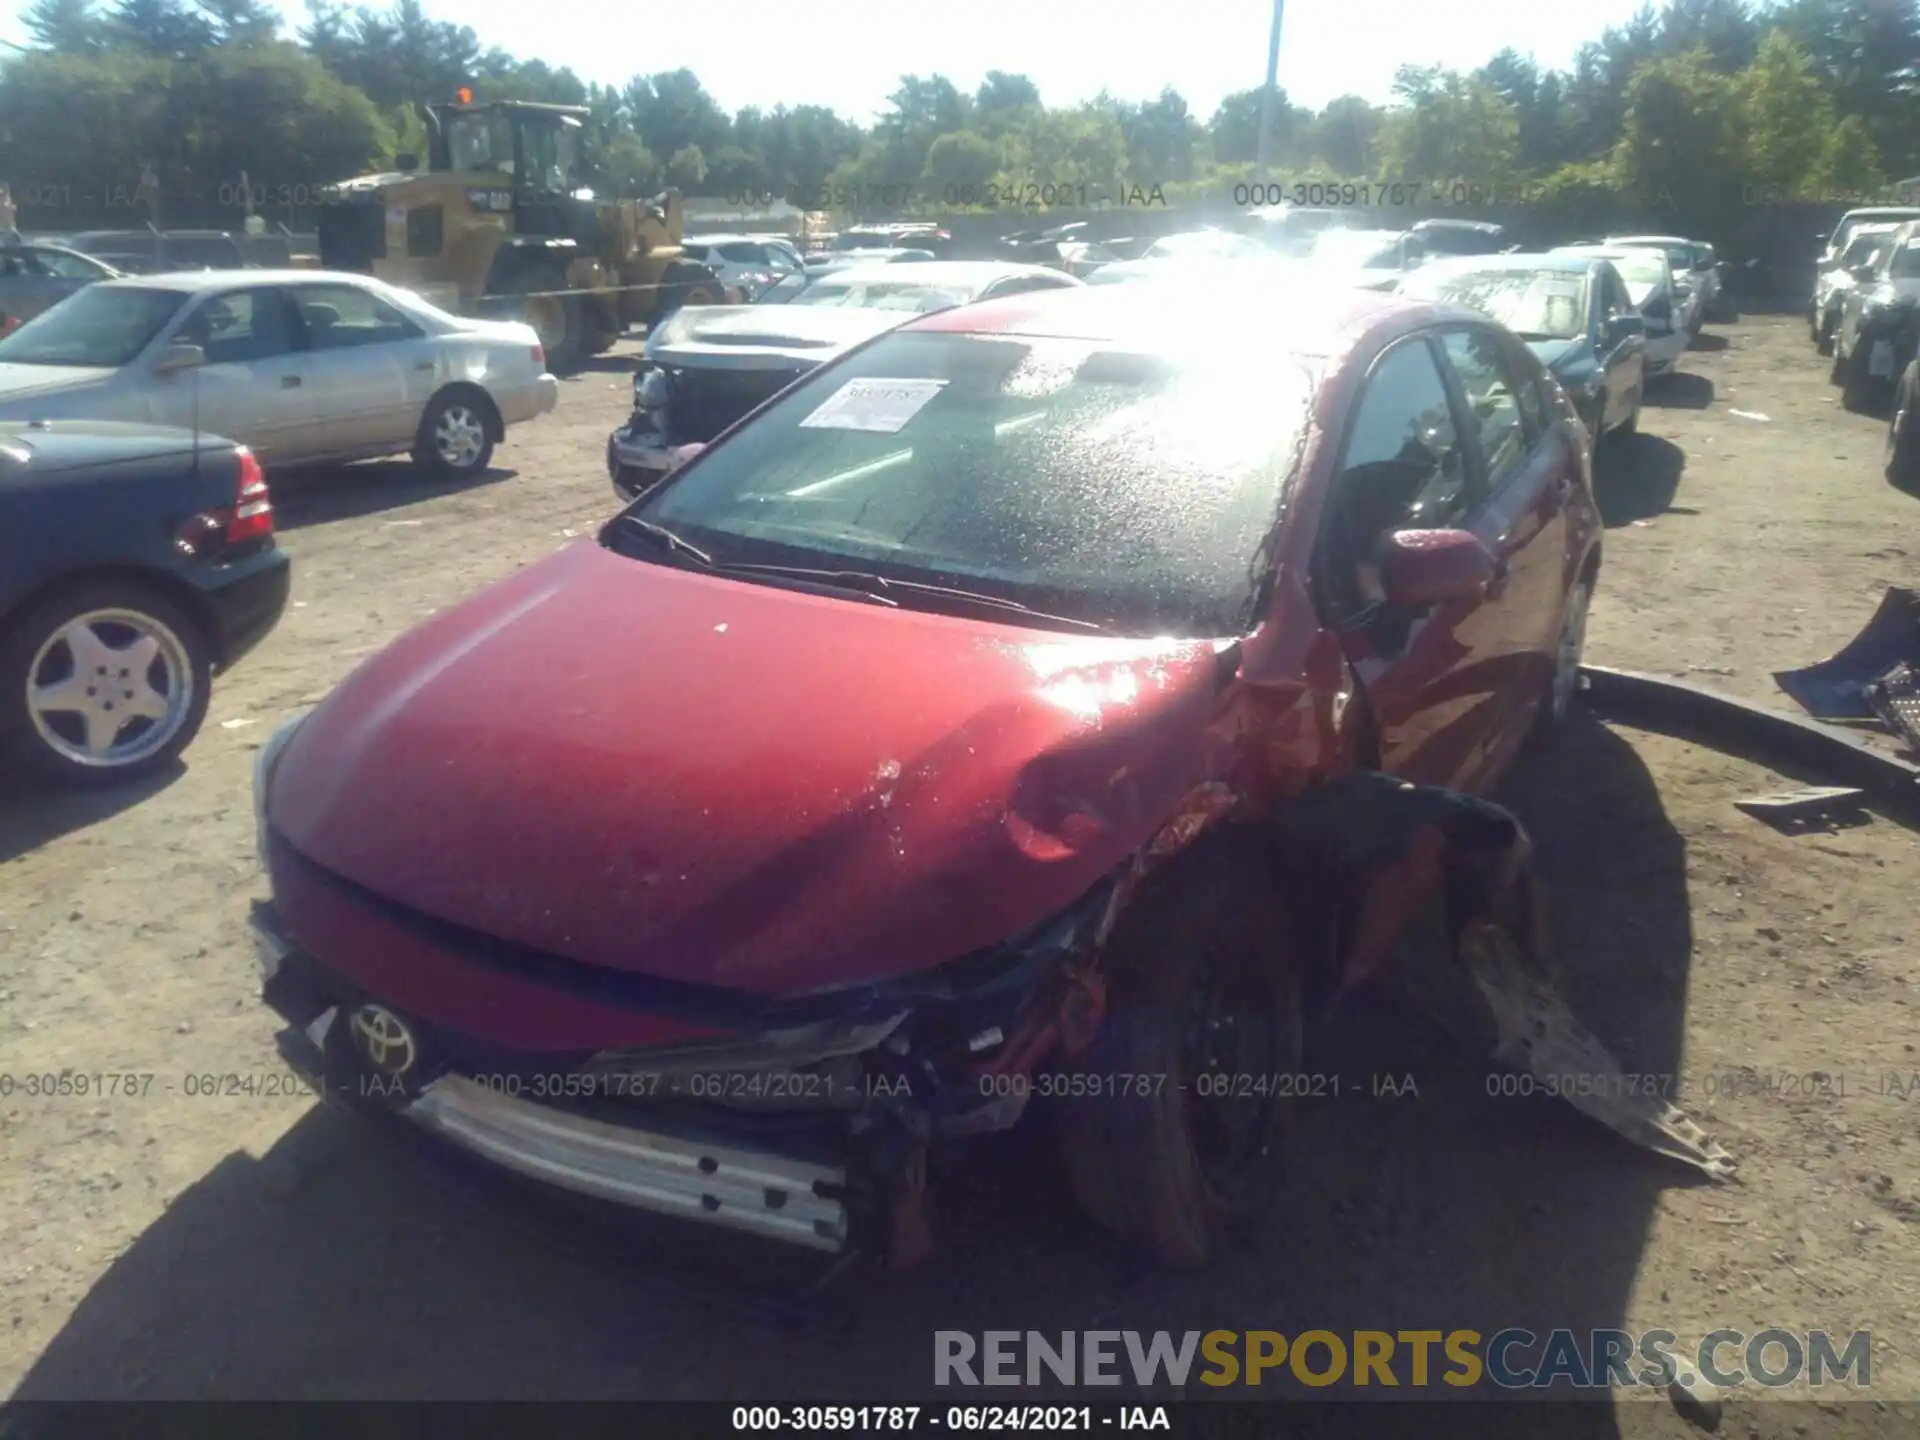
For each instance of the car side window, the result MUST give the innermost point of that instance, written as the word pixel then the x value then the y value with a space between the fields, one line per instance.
pixel 343 317
pixel 1532 376
pixel 1403 468
pixel 67 267
pixel 240 326
pixel 1613 295
pixel 1488 383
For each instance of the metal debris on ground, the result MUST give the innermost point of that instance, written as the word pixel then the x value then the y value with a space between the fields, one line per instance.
pixel 1539 1033
pixel 1403 842
pixel 1796 808
pixel 1895 699
pixel 1835 689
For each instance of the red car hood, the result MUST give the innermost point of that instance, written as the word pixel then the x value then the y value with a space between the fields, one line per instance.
pixel 710 781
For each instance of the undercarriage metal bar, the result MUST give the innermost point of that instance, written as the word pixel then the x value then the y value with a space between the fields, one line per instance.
pixel 1660 702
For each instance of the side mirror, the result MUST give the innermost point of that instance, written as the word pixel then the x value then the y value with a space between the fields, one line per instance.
pixel 1625 327
pixel 1426 567
pixel 180 357
pixel 406 160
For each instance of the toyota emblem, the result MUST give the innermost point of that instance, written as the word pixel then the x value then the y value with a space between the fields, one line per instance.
pixel 385 1041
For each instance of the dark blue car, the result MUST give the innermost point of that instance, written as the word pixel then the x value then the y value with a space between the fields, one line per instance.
pixel 1573 311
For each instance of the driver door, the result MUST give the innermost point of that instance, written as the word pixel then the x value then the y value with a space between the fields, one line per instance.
pixel 252 387
pixel 1407 464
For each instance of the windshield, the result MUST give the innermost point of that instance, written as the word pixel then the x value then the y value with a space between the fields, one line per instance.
pixel 1680 257
pixel 1862 248
pixel 1534 304
pixel 1133 491
pixel 1850 226
pixel 1645 271
pixel 1905 264
pixel 916 297
pixel 100 325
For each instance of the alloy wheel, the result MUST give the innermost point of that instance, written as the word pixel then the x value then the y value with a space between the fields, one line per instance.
pixel 109 688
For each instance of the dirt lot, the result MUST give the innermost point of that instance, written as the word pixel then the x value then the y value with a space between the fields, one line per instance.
pixel 182 1245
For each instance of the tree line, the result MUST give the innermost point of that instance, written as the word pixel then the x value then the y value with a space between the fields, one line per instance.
pixel 1704 105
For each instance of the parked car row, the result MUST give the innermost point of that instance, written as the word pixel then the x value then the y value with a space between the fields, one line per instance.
pixel 136 527
pixel 1865 313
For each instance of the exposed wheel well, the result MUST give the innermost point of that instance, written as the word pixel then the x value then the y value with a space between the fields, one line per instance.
pixel 190 600
pixel 496 427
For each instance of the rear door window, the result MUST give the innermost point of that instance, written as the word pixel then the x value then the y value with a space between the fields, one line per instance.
pixel 1492 396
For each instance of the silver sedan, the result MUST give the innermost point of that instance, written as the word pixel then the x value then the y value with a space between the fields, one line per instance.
pixel 36 277
pixel 303 366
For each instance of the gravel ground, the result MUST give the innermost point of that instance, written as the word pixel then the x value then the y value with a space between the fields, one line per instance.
pixel 246 1244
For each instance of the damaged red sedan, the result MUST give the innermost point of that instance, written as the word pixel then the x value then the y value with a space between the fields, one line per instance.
pixel 932 743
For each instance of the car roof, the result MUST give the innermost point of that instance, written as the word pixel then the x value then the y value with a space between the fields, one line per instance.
pixel 1484 227
pixel 1573 261
pixel 200 282
pixel 1320 321
pixel 937 272
pixel 1611 252
pixel 1896 210
pixel 1649 240
pixel 734 239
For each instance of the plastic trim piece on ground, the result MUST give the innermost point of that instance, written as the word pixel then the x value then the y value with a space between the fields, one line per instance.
pixel 1661 700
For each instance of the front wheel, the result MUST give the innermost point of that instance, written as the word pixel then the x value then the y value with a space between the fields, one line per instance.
pixel 1173 1121
pixel 104 683
pixel 456 436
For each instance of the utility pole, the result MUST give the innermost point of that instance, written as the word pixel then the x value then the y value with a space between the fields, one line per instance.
pixel 1267 95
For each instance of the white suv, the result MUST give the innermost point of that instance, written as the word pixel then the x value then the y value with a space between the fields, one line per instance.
pixel 748 263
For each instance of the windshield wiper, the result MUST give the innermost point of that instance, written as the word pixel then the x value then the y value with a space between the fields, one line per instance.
pixel 660 534
pixel 883 588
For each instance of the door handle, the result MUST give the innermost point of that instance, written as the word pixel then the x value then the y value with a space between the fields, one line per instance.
pixel 289 382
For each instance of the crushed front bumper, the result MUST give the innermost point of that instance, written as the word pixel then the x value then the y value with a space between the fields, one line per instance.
pixel 648 1129
pixel 774 1196
pixel 636 461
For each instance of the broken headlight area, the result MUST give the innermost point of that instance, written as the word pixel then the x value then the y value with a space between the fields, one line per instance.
pixel 926 1049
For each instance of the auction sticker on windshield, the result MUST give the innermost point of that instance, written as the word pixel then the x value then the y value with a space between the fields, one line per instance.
pixel 881 406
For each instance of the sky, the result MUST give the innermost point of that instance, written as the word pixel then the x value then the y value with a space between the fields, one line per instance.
pixel 848 54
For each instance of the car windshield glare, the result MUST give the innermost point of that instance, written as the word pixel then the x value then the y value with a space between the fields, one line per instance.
pixel 99 326
pixel 1131 490
pixel 908 296
pixel 1534 304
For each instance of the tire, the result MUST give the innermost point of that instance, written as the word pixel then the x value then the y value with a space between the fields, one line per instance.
pixel 1563 682
pixel 1141 1158
pixel 456 434
pixel 1903 432
pixel 561 322
pixel 1856 386
pixel 79 741
pixel 690 284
